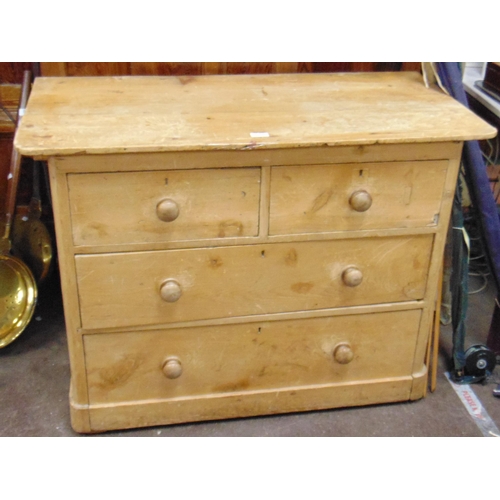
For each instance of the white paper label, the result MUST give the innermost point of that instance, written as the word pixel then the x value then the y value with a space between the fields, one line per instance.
pixel 475 408
pixel 259 134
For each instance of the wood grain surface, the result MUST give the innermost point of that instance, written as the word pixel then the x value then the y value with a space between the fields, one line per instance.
pixel 133 114
pixel 177 68
pixel 214 68
pixel 124 289
pixel 109 416
pixel 234 358
pixel 120 208
pixel 308 199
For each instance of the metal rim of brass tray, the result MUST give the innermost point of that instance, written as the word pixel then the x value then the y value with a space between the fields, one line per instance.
pixel 18 295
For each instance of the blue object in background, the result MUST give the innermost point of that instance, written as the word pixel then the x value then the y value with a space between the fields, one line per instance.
pixel 488 222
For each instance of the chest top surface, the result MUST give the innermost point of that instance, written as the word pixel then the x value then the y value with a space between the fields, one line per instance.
pixel 99 115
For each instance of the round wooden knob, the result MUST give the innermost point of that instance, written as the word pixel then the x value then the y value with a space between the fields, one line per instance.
pixel 352 276
pixel 172 368
pixel 343 353
pixel 360 201
pixel 170 291
pixel 167 210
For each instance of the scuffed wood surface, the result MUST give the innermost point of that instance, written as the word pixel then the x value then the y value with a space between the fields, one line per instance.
pixel 120 208
pixel 249 279
pixel 316 198
pixel 146 114
pixel 249 357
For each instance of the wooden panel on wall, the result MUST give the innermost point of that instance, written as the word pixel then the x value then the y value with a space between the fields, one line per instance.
pixel 216 68
pixel 411 66
pixel 171 68
pixel 5 153
pixel 339 67
pixel 213 68
pixel 24 189
pixel 97 69
pixel 334 67
pixel 12 72
pixel 238 68
pixel 166 68
pixel 265 67
pixel 11 77
pixel 53 68
pixel 85 68
pixel 305 67
pixel 9 99
pixel 223 68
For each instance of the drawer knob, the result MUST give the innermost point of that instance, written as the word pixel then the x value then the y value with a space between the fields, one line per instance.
pixel 352 276
pixel 170 291
pixel 360 201
pixel 167 210
pixel 343 354
pixel 172 368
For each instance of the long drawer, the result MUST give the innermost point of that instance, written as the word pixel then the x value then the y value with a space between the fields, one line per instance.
pixel 176 205
pixel 322 198
pixel 147 288
pixel 124 367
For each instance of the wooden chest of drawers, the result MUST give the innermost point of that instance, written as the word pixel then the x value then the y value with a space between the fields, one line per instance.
pixel 236 246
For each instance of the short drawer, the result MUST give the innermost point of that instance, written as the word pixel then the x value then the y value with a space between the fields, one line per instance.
pixel 178 363
pixel 147 288
pixel 322 198
pixel 141 207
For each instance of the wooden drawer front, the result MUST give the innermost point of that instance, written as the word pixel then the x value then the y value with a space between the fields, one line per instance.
pixel 321 198
pixel 125 367
pixel 118 290
pixel 121 208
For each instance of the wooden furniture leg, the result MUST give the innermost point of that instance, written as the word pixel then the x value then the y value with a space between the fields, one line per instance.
pixel 435 335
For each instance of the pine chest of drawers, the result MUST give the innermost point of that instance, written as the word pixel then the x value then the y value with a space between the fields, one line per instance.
pixel 245 245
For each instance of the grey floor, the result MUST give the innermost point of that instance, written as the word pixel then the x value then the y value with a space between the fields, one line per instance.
pixel 34 382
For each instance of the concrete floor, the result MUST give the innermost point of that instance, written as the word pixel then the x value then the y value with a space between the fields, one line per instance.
pixel 34 382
